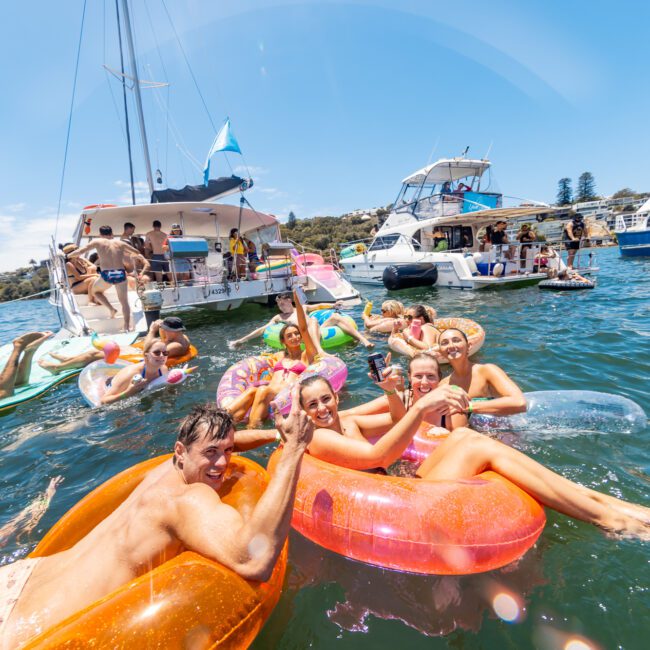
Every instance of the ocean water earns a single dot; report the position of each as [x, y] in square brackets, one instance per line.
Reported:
[574, 586]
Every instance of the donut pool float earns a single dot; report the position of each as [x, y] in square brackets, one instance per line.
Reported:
[257, 371]
[177, 603]
[434, 527]
[330, 337]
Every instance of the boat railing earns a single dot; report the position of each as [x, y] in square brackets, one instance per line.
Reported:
[630, 220]
[60, 285]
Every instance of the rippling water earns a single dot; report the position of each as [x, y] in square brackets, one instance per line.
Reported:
[574, 584]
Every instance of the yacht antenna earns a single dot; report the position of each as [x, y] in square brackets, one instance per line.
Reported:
[138, 98]
[487, 153]
[435, 146]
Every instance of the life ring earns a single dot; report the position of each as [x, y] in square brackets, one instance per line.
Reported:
[96, 206]
[257, 371]
[190, 592]
[434, 527]
[330, 337]
[134, 354]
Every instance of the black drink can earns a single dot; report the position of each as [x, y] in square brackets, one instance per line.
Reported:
[377, 365]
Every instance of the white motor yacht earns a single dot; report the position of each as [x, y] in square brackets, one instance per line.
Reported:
[440, 218]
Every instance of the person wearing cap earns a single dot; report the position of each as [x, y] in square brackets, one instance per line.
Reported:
[81, 273]
[574, 232]
[170, 331]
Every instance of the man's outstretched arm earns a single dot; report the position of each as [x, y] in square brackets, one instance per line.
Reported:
[251, 548]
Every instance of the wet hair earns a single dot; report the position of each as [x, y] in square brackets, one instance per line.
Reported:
[128, 224]
[421, 312]
[425, 356]
[393, 306]
[105, 230]
[283, 331]
[156, 224]
[217, 421]
[309, 381]
[455, 329]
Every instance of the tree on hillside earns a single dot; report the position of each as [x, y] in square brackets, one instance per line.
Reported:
[564, 192]
[291, 221]
[625, 192]
[586, 190]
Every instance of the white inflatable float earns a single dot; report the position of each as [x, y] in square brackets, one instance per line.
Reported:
[569, 412]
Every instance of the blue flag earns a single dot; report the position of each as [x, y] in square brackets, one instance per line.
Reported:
[225, 141]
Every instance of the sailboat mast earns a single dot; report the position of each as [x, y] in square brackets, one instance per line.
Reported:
[138, 97]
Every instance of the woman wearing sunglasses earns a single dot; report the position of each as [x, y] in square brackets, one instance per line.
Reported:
[391, 310]
[136, 377]
[415, 333]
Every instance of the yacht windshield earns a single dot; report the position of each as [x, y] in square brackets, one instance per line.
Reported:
[383, 242]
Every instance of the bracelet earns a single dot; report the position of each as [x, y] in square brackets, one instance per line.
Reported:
[278, 437]
[470, 410]
[390, 392]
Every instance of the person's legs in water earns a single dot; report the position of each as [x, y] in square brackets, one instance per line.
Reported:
[467, 453]
[342, 323]
[66, 363]
[9, 372]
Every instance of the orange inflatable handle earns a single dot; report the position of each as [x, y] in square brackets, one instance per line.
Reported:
[186, 602]
[434, 527]
[134, 354]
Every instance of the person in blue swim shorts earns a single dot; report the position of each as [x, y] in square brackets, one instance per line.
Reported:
[112, 253]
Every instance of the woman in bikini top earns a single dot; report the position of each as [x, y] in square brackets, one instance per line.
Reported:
[406, 340]
[286, 370]
[136, 377]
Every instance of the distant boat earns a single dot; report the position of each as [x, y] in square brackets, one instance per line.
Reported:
[633, 232]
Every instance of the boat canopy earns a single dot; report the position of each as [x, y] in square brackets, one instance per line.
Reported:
[447, 169]
[196, 219]
[215, 188]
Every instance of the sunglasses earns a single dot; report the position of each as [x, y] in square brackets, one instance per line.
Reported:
[159, 353]
[408, 317]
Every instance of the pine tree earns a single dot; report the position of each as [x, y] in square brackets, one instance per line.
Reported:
[564, 192]
[291, 221]
[586, 190]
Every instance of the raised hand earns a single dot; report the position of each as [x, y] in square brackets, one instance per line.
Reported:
[445, 400]
[298, 427]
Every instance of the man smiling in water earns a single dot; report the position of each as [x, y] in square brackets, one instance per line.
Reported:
[175, 508]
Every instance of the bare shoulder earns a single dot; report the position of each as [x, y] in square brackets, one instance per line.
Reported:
[489, 369]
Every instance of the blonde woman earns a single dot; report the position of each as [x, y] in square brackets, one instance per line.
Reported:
[391, 311]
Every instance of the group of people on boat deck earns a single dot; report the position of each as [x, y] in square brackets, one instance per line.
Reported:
[177, 505]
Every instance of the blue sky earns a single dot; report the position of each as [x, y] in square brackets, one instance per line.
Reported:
[332, 102]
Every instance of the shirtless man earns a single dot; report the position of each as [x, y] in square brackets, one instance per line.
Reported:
[175, 508]
[133, 263]
[113, 254]
[153, 245]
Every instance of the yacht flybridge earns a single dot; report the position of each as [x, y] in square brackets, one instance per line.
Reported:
[440, 217]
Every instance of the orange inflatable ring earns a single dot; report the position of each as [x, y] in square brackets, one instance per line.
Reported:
[134, 354]
[473, 331]
[407, 524]
[188, 601]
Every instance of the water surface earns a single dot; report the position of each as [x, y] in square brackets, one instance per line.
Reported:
[575, 583]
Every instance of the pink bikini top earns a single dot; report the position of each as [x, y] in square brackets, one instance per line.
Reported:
[298, 367]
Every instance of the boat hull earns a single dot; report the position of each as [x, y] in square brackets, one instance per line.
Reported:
[634, 244]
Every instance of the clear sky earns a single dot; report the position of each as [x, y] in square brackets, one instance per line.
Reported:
[332, 103]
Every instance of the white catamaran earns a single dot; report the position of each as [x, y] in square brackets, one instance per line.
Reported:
[208, 278]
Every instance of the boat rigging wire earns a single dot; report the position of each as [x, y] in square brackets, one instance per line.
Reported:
[67, 137]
